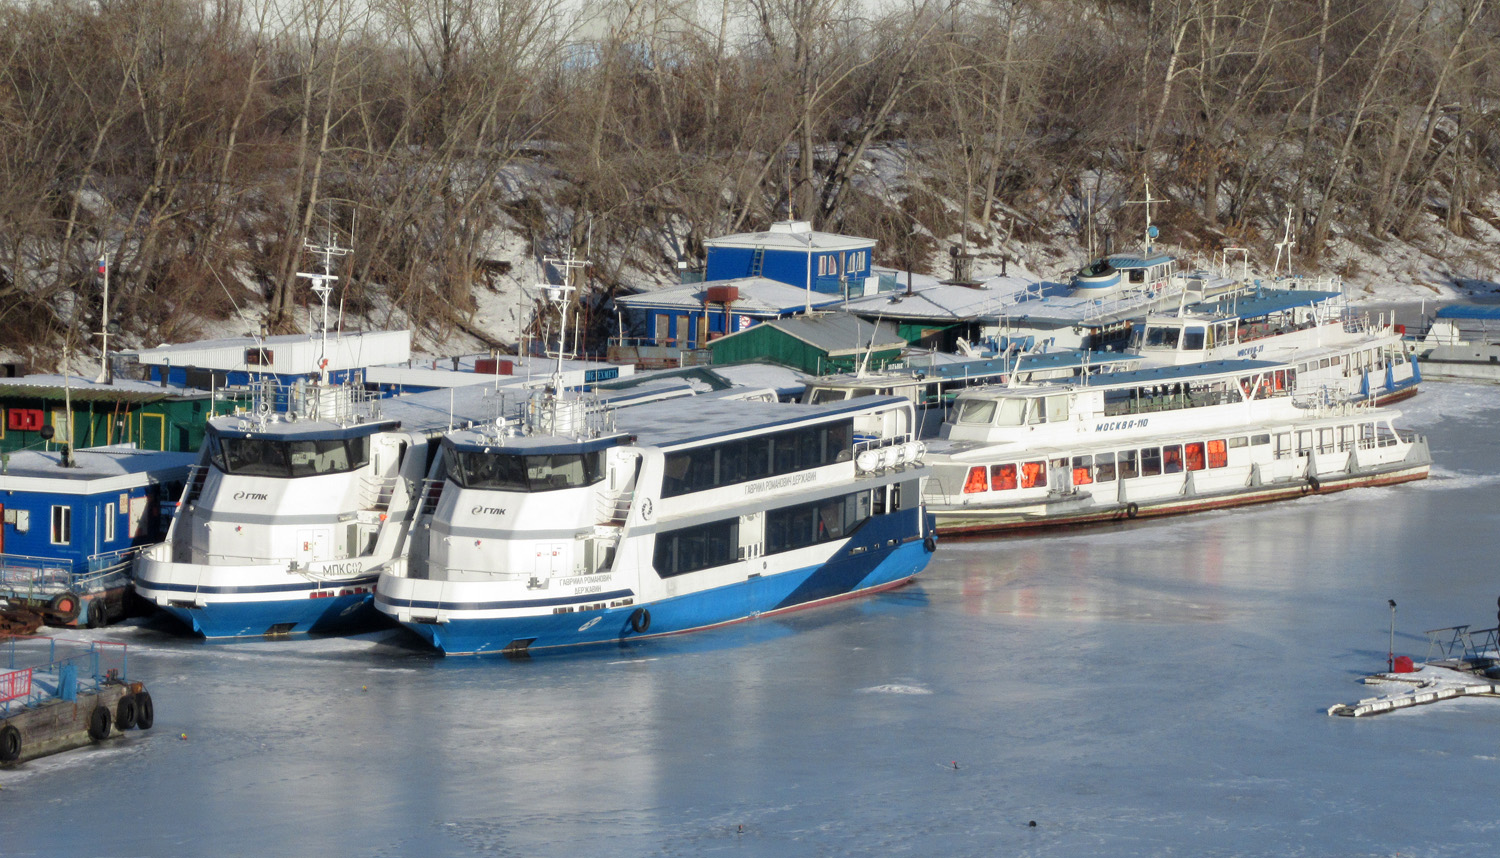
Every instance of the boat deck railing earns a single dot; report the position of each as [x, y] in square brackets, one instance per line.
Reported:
[27, 577]
[1455, 643]
[38, 669]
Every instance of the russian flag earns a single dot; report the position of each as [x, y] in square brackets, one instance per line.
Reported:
[103, 265]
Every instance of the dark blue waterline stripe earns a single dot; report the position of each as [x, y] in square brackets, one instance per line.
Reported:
[495, 606]
[260, 588]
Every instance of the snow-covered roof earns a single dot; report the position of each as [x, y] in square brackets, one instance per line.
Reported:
[945, 302]
[97, 469]
[290, 354]
[523, 369]
[758, 296]
[791, 235]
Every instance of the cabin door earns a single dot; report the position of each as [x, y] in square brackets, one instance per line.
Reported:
[312, 544]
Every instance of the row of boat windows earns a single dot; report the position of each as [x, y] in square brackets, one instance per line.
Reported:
[1024, 411]
[717, 543]
[1107, 467]
[514, 472]
[1175, 458]
[1360, 361]
[266, 457]
[757, 457]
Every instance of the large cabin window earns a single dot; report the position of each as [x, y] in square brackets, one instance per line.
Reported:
[272, 457]
[1193, 338]
[702, 546]
[811, 523]
[514, 472]
[747, 459]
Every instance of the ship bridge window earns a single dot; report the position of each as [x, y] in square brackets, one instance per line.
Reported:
[820, 395]
[270, 457]
[1137, 275]
[1193, 338]
[515, 472]
[1162, 337]
[976, 411]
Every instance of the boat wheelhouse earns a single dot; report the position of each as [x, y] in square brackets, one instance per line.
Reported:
[1155, 442]
[933, 384]
[1461, 343]
[1335, 350]
[582, 524]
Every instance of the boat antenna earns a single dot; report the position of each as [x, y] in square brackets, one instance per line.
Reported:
[1151, 231]
[322, 285]
[560, 296]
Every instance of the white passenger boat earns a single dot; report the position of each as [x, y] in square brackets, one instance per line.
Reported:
[1461, 343]
[1349, 355]
[932, 381]
[1155, 442]
[582, 524]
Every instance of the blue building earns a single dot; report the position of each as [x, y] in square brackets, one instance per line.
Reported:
[66, 532]
[749, 278]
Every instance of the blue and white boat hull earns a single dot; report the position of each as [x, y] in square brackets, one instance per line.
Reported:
[886, 552]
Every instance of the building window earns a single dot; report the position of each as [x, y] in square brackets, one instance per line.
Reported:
[62, 525]
[259, 357]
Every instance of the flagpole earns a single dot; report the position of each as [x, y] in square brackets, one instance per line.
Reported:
[104, 324]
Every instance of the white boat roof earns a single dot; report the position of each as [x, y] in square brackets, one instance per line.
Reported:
[1136, 377]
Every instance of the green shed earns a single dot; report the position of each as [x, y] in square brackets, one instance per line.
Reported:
[816, 344]
[122, 412]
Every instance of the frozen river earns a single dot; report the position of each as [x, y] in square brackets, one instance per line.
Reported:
[1153, 689]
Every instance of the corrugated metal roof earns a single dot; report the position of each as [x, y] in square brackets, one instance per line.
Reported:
[835, 334]
[86, 390]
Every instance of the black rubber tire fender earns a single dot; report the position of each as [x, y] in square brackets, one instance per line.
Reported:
[640, 620]
[145, 712]
[126, 713]
[64, 607]
[98, 614]
[10, 744]
[929, 543]
[99, 724]
[1315, 484]
[1132, 510]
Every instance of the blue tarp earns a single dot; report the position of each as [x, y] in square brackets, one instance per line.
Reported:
[1469, 311]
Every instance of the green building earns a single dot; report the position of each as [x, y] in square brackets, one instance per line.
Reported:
[145, 414]
[817, 344]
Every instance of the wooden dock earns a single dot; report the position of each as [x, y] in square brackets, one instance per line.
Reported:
[62, 725]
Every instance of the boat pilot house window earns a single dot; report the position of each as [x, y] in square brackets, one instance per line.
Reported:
[745, 459]
[272, 457]
[514, 472]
